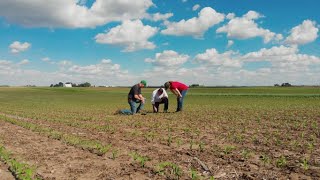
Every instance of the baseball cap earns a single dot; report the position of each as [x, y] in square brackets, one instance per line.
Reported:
[144, 82]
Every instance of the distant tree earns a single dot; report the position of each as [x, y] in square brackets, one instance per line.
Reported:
[286, 85]
[51, 85]
[276, 85]
[194, 85]
[86, 84]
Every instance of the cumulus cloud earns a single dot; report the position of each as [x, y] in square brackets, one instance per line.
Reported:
[159, 16]
[283, 57]
[131, 34]
[230, 43]
[23, 62]
[195, 7]
[14, 74]
[168, 59]
[17, 47]
[195, 26]
[213, 58]
[245, 27]
[71, 13]
[304, 33]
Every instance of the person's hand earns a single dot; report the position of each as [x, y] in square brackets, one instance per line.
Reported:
[143, 100]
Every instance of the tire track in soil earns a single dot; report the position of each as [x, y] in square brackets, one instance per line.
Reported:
[55, 160]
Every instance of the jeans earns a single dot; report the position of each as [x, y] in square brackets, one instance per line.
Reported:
[180, 100]
[164, 101]
[133, 106]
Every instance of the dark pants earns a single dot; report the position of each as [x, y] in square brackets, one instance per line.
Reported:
[164, 101]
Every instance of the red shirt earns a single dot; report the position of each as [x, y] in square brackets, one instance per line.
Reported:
[178, 85]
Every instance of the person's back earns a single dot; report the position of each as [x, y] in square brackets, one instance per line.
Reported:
[178, 85]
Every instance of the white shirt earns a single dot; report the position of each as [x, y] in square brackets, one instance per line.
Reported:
[156, 97]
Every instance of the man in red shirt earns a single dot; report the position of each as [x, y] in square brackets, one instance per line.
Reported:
[179, 89]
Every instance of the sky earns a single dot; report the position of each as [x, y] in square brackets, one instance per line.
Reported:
[120, 42]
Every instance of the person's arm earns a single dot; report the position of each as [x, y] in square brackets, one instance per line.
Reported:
[153, 98]
[176, 92]
[141, 98]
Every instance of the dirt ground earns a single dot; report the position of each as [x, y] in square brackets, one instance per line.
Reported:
[54, 159]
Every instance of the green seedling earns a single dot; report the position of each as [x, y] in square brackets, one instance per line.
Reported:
[114, 154]
[139, 158]
[245, 153]
[169, 169]
[281, 162]
[265, 159]
[228, 149]
[201, 146]
[194, 174]
[305, 164]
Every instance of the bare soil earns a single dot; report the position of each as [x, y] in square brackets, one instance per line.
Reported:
[57, 160]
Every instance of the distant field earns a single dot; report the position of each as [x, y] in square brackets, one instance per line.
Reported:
[238, 133]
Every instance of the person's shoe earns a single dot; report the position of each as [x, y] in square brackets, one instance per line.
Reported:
[165, 111]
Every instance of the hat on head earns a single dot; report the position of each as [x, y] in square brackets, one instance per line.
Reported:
[167, 85]
[144, 82]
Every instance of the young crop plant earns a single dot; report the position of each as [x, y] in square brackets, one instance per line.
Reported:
[265, 159]
[21, 171]
[228, 149]
[245, 153]
[169, 169]
[194, 174]
[201, 146]
[179, 142]
[169, 140]
[281, 162]
[114, 154]
[305, 164]
[139, 158]
[191, 144]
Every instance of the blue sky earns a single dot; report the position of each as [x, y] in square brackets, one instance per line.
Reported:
[120, 42]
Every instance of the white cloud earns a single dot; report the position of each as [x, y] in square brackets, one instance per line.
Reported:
[17, 47]
[304, 33]
[213, 58]
[159, 17]
[71, 13]
[230, 43]
[23, 62]
[131, 34]
[195, 7]
[103, 73]
[168, 59]
[245, 27]
[195, 26]
[46, 59]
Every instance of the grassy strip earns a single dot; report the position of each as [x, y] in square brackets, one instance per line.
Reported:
[21, 171]
[93, 146]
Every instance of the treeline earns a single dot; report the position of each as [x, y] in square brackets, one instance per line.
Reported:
[69, 84]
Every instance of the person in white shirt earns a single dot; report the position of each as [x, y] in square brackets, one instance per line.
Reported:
[159, 96]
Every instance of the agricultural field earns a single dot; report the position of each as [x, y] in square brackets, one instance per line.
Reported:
[222, 133]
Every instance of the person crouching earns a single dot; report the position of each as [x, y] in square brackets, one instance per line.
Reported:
[159, 96]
